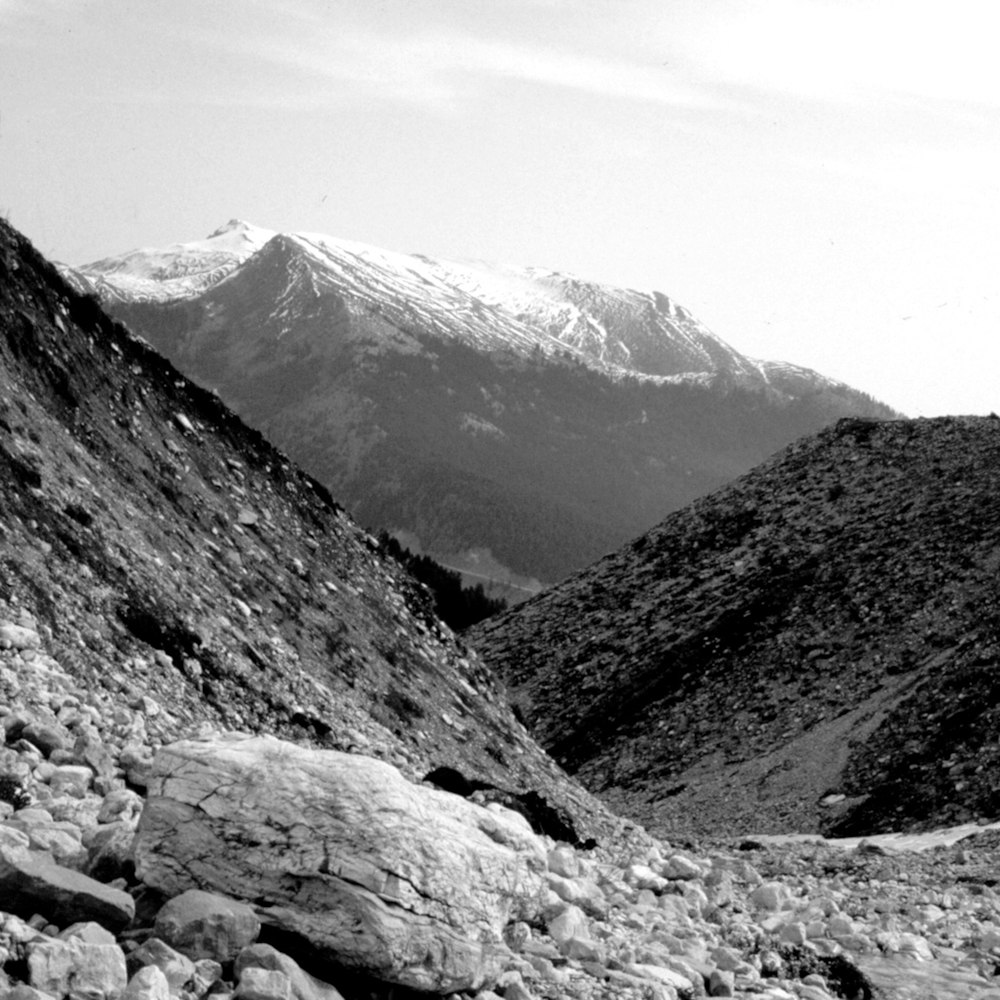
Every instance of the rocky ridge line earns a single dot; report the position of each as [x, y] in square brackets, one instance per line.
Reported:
[812, 647]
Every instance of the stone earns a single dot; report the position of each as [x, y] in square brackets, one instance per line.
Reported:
[178, 968]
[680, 867]
[721, 983]
[794, 932]
[61, 841]
[205, 925]
[571, 922]
[406, 883]
[18, 637]
[71, 779]
[263, 984]
[302, 985]
[727, 958]
[31, 883]
[771, 896]
[47, 736]
[137, 763]
[90, 751]
[563, 861]
[643, 877]
[148, 983]
[76, 969]
[88, 932]
[663, 975]
[24, 992]
[207, 972]
[109, 852]
[120, 806]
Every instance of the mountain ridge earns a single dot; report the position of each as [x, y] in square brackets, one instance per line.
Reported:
[812, 646]
[551, 303]
[463, 416]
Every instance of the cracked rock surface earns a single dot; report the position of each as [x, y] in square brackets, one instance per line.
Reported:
[412, 884]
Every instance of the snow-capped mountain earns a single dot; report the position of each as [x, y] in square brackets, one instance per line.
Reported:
[495, 416]
[179, 271]
[488, 306]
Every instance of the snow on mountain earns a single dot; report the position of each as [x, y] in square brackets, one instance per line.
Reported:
[640, 332]
[527, 310]
[178, 271]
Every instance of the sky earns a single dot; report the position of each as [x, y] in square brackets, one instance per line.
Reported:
[818, 181]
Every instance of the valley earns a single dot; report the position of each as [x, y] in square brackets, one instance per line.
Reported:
[243, 758]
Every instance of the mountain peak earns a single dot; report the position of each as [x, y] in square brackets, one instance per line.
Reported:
[240, 226]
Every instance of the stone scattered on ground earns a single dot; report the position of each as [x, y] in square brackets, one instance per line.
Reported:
[635, 919]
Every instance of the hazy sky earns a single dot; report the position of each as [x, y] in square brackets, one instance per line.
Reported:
[817, 180]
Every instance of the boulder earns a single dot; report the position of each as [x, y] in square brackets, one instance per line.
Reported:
[404, 883]
[30, 883]
[76, 969]
[149, 983]
[263, 984]
[178, 969]
[301, 984]
[18, 637]
[771, 896]
[205, 925]
[109, 851]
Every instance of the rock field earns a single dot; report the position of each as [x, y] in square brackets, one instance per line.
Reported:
[245, 866]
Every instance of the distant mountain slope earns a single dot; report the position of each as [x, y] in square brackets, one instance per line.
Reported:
[166, 549]
[508, 415]
[814, 646]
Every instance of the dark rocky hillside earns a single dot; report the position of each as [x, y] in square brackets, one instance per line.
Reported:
[166, 550]
[814, 647]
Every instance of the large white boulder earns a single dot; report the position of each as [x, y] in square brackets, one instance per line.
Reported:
[406, 883]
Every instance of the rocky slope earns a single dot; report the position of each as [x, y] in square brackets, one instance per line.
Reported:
[813, 647]
[238, 866]
[165, 549]
[515, 423]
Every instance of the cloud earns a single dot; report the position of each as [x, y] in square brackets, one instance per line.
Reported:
[447, 69]
[850, 50]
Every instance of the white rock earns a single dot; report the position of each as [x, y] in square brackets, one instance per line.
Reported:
[571, 922]
[660, 974]
[405, 882]
[76, 968]
[680, 867]
[643, 877]
[301, 984]
[178, 968]
[71, 779]
[771, 896]
[149, 983]
[563, 861]
[263, 984]
[18, 637]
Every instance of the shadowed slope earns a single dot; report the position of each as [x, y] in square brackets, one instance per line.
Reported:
[167, 549]
[814, 646]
